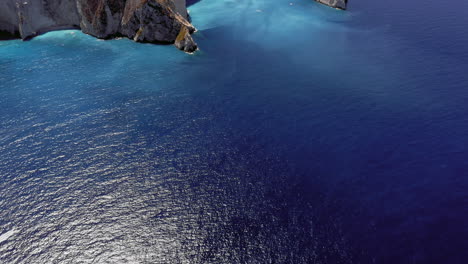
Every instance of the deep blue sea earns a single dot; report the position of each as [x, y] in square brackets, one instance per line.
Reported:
[296, 134]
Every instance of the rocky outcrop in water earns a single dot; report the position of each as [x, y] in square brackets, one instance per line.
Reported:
[340, 4]
[156, 21]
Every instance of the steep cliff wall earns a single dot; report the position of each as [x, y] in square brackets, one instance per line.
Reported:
[36, 17]
[141, 20]
[152, 20]
[9, 22]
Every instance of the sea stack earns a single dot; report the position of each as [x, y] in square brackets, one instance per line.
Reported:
[339, 4]
[155, 21]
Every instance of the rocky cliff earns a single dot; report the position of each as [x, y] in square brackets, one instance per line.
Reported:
[157, 21]
[340, 4]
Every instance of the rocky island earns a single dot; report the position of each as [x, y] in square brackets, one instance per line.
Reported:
[155, 21]
[338, 4]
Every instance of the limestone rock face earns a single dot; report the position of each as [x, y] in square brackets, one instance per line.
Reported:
[9, 22]
[152, 21]
[184, 40]
[340, 4]
[32, 17]
[141, 20]
[100, 18]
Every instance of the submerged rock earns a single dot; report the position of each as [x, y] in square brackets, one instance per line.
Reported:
[340, 4]
[156, 21]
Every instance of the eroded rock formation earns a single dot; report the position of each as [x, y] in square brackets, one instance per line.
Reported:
[340, 4]
[158, 21]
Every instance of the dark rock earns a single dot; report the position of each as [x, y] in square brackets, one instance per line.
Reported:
[6, 35]
[100, 18]
[340, 4]
[152, 21]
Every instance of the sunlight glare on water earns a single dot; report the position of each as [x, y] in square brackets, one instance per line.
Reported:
[296, 134]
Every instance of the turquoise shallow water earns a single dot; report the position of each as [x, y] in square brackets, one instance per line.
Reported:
[297, 134]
